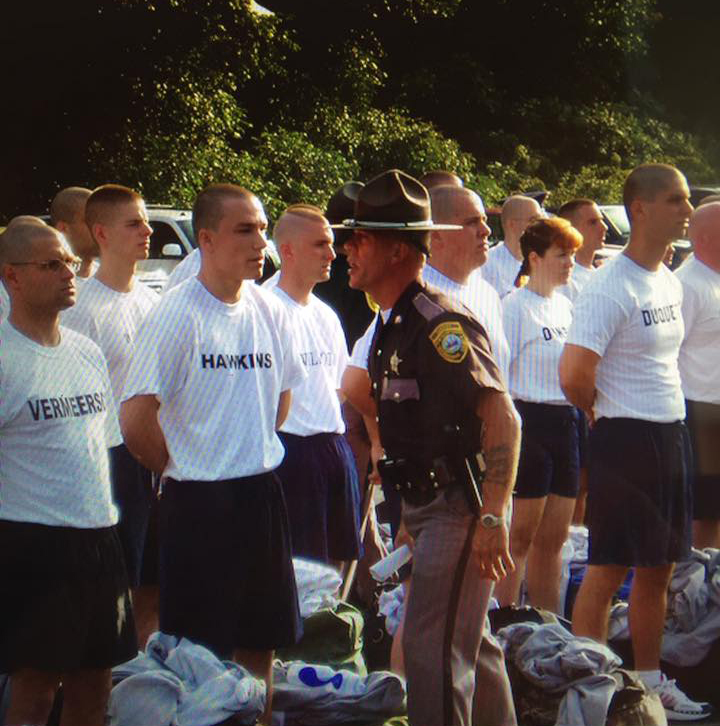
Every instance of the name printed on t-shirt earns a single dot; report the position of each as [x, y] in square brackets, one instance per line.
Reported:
[321, 358]
[67, 406]
[663, 314]
[244, 361]
[557, 332]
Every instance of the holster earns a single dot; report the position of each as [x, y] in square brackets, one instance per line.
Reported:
[419, 483]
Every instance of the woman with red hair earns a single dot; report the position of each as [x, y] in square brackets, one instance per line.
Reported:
[536, 319]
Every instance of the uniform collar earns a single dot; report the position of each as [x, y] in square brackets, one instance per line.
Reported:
[404, 302]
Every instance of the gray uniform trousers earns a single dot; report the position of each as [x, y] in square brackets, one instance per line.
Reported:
[455, 673]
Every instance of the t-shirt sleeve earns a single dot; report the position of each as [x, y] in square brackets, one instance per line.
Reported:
[339, 345]
[596, 318]
[113, 436]
[512, 325]
[691, 306]
[159, 362]
[455, 352]
[361, 349]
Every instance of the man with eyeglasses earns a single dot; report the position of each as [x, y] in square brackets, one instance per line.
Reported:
[65, 609]
[110, 307]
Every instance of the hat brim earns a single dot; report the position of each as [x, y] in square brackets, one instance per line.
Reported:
[424, 226]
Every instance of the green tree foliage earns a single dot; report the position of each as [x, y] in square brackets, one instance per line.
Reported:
[168, 95]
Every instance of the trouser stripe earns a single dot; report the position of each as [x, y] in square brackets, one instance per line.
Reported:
[453, 606]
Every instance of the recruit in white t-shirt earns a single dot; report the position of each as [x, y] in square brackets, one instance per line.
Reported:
[501, 269]
[320, 342]
[579, 277]
[536, 329]
[700, 350]
[483, 302]
[57, 421]
[217, 370]
[632, 318]
[189, 266]
[111, 319]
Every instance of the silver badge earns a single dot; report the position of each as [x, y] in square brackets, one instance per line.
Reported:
[395, 361]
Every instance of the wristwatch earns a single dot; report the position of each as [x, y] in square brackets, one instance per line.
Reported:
[490, 521]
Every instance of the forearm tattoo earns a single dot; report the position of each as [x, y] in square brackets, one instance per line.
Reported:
[499, 465]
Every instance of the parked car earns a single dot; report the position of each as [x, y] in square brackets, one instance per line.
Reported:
[171, 240]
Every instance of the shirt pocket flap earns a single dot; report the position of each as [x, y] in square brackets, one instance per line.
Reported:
[400, 389]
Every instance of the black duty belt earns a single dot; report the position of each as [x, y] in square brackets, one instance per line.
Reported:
[419, 484]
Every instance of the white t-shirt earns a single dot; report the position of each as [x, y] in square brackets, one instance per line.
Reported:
[700, 350]
[189, 266]
[361, 349]
[536, 329]
[320, 342]
[4, 302]
[501, 269]
[218, 371]
[57, 420]
[632, 318]
[111, 319]
[579, 277]
[483, 302]
[80, 281]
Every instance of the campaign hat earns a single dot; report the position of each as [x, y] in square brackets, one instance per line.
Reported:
[342, 204]
[396, 201]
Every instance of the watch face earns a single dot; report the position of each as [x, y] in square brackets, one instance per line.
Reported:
[490, 520]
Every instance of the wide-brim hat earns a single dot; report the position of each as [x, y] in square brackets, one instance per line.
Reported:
[396, 201]
[342, 204]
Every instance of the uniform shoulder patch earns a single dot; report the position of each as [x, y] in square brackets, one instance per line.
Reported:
[450, 341]
[426, 307]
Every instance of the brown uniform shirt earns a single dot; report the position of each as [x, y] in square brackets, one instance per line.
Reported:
[428, 363]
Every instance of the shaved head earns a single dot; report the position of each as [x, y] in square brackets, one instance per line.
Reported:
[445, 202]
[294, 217]
[304, 240]
[208, 208]
[705, 219]
[68, 205]
[17, 239]
[704, 233]
[440, 179]
[519, 206]
[101, 205]
[709, 199]
[645, 182]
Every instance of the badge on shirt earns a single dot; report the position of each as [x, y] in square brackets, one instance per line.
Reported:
[395, 361]
[450, 341]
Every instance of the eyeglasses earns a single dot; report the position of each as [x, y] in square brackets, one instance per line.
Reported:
[52, 265]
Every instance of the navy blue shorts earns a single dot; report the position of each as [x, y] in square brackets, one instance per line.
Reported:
[226, 572]
[133, 494]
[639, 498]
[549, 456]
[64, 599]
[320, 482]
[703, 422]
[583, 434]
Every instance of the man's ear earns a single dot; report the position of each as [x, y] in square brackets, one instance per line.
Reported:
[286, 251]
[204, 238]
[637, 209]
[8, 275]
[98, 233]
